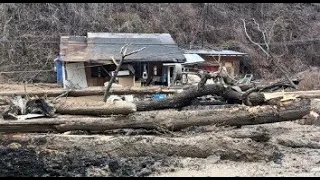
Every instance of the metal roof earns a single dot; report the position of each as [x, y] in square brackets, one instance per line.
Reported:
[214, 52]
[193, 59]
[164, 38]
[102, 46]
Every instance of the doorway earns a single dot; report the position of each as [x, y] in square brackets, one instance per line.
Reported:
[230, 68]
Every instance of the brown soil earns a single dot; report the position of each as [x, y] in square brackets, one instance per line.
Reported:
[300, 157]
[296, 161]
[28, 87]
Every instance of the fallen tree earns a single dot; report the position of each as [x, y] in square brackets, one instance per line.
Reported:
[253, 96]
[201, 146]
[165, 119]
[97, 109]
[181, 99]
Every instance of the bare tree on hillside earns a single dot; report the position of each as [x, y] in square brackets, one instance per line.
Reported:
[265, 47]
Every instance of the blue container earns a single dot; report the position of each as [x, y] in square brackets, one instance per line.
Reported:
[159, 96]
[59, 72]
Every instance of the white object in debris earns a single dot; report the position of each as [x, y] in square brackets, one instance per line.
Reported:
[114, 85]
[21, 103]
[113, 98]
[237, 88]
[122, 73]
[210, 81]
[179, 90]
[128, 98]
[193, 78]
[76, 75]
[29, 116]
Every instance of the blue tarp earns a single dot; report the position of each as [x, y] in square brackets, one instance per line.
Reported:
[59, 70]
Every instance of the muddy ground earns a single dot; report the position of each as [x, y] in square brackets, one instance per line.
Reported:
[298, 154]
[298, 145]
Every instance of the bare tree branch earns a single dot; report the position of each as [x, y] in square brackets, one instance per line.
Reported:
[123, 48]
[271, 31]
[267, 52]
[123, 55]
[263, 34]
[114, 61]
[245, 30]
[134, 52]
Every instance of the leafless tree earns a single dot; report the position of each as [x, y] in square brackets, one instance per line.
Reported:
[124, 54]
[267, 36]
[30, 32]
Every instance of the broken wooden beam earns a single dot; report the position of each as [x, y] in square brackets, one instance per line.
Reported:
[165, 119]
[293, 94]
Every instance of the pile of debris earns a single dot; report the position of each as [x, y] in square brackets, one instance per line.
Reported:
[196, 105]
[154, 126]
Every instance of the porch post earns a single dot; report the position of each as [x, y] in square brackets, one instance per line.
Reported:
[168, 75]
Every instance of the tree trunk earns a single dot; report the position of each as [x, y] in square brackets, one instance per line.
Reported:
[165, 119]
[186, 97]
[96, 146]
[107, 91]
[96, 108]
[182, 99]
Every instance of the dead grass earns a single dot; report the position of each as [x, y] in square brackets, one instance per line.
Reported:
[310, 79]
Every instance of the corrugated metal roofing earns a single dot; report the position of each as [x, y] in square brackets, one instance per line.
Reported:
[214, 52]
[164, 38]
[193, 59]
[103, 46]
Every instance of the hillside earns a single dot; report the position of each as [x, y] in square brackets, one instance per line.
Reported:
[30, 32]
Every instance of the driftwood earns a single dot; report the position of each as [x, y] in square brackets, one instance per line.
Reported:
[182, 99]
[223, 87]
[242, 149]
[186, 97]
[165, 119]
[259, 95]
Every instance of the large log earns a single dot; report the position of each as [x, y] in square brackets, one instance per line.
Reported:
[165, 119]
[252, 97]
[97, 108]
[91, 91]
[186, 97]
[95, 146]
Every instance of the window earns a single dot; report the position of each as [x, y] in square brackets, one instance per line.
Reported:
[98, 71]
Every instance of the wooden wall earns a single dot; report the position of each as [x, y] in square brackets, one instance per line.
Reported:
[94, 81]
[234, 60]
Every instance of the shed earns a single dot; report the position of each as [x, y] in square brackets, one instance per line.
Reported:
[228, 58]
[87, 60]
